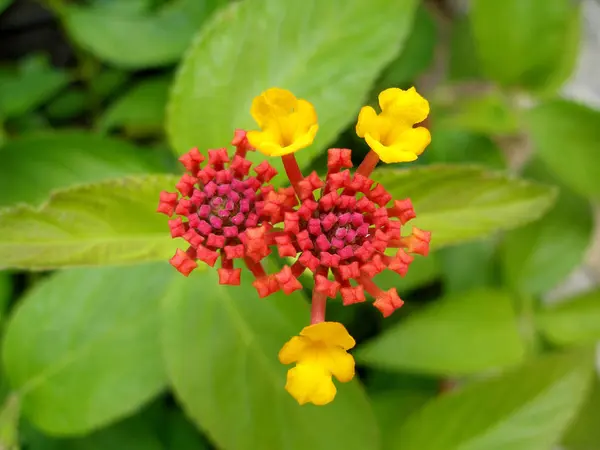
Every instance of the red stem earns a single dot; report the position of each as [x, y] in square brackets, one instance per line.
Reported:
[370, 287]
[254, 267]
[293, 171]
[317, 310]
[368, 164]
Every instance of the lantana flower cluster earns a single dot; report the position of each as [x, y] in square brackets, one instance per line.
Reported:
[343, 228]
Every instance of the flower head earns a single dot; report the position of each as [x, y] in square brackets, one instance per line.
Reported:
[217, 207]
[287, 123]
[342, 227]
[391, 133]
[320, 352]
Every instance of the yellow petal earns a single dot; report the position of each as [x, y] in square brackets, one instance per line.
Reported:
[341, 364]
[306, 113]
[272, 103]
[303, 140]
[331, 333]
[388, 97]
[367, 121]
[260, 139]
[404, 105]
[309, 383]
[391, 154]
[293, 350]
[413, 140]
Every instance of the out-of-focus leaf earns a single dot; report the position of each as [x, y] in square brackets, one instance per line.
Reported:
[574, 321]
[584, 433]
[141, 110]
[460, 334]
[82, 348]
[30, 86]
[127, 7]
[459, 146]
[422, 271]
[488, 113]
[9, 423]
[68, 105]
[181, 434]
[6, 290]
[137, 41]
[417, 53]
[130, 434]
[565, 136]
[461, 203]
[111, 222]
[523, 43]
[33, 122]
[463, 63]
[395, 396]
[107, 81]
[33, 166]
[468, 266]
[392, 408]
[566, 61]
[538, 256]
[309, 47]
[4, 4]
[239, 396]
[527, 409]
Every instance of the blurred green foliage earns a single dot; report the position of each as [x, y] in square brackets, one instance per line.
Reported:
[105, 346]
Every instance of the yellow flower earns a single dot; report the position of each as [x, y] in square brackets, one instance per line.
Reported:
[319, 352]
[287, 123]
[391, 134]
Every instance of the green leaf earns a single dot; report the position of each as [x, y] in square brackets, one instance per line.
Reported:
[460, 334]
[221, 354]
[468, 266]
[449, 145]
[107, 81]
[523, 43]
[487, 112]
[139, 111]
[112, 222]
[422, 271]
[395, 396]
[584, 433]
[6, 291]
[9, 423]
[33, 166]
[463, 61]
[461, 203]
[137, 41]
[310, 47]
[4, 4]
[181, 434]
[527, 409]
[130, 434]
[33, 122]
[573, 321]
[30, 86]
[537, 257]
[127, 7]
[394, 407]
[82, 348]
[565, 136]
[68, 105]
[417, 53]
